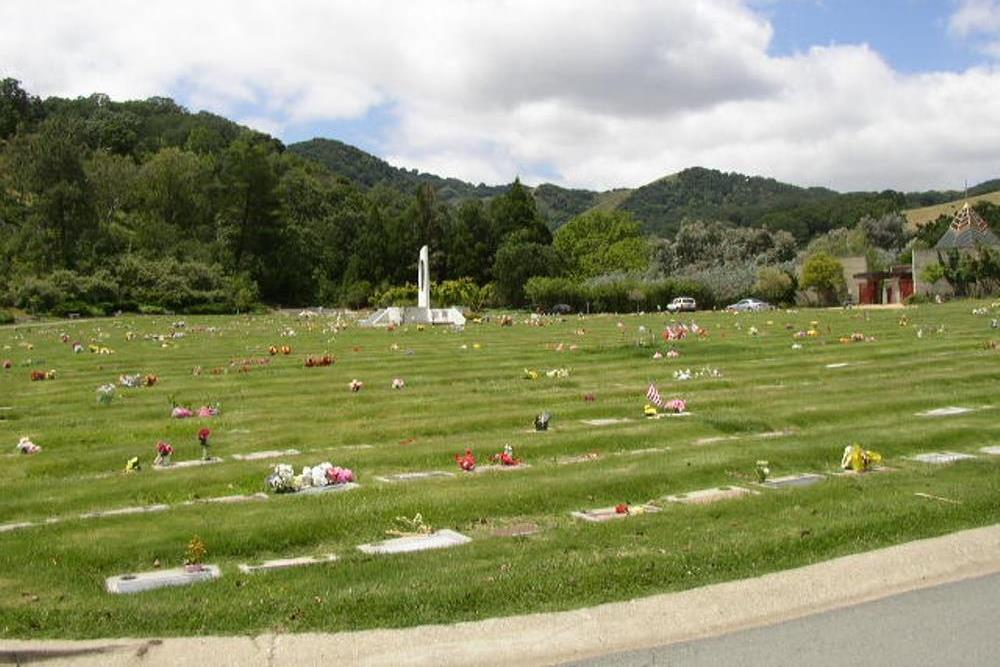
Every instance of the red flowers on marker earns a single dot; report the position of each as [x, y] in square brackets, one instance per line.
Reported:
[203, 436]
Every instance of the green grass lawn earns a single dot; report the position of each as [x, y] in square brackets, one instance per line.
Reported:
[468, 390]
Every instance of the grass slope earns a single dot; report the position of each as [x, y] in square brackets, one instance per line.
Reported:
[466, 390]
[922, 216]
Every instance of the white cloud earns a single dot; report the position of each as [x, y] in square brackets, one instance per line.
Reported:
[603, 94]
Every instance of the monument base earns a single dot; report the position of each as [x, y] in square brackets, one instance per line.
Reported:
[397, 316]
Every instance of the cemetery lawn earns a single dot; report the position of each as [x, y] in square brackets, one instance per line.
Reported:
[468, 390]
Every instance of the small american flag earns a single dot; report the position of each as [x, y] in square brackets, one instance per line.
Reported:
[654, 396]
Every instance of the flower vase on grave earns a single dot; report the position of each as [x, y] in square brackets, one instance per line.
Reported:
[203, 436]
[162, 460]
[205, 456]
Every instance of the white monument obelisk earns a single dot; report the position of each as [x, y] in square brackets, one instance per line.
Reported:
[423, 280]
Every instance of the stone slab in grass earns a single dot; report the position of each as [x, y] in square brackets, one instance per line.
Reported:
[229, 500]
[147, 581]
[499, 468]
[713, 495]
[522, 529]
[711, 440]
[8, 527]
[285, 563]
[838, 365]
[194, 463]
[603, 514]
[871, 471]
[125, 511]
[414, 476]
[441, 539]
[665, 415]
[589, 457]
[941, 458]
[329, 488]
[642, 452]
[266, 454]
[790, 481]
[994, 450]
[949, 411]
[606, 422]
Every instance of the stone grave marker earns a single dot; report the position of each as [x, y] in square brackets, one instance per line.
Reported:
[871, 471]
[994, 450]
[517, 530]
[411, 476]
[579, 458]
[606, 422]
[713, 495]
[229, 500]
[146, 581]
[663, 415]
[837, 365]
[642, 452]
[789, 481]
[441, 539]
[944, 412]
[284, 563]
[125, 511]
[941, 458]
[329, 488]
[499, 468]
[8, 527]
[603, 514]
[193, 463]
[266, 454]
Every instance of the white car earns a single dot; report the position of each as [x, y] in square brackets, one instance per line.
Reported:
[745, 305]
[682, 304]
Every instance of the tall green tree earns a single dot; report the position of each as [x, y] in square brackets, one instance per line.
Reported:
[601, 242]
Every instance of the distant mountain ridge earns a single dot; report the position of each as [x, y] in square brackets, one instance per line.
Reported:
[661, 206]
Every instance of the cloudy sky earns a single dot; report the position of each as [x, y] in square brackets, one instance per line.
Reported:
[851, 94]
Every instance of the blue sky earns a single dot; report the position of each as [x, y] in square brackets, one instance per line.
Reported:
[911, 34]
[584, 93]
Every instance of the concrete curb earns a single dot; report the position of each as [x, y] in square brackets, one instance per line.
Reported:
[573, 635]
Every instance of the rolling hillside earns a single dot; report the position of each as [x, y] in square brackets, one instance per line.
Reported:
[921, 216]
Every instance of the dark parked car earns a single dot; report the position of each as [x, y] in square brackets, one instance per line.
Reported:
[561, 309]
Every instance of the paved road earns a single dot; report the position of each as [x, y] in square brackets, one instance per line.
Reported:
[954, 624]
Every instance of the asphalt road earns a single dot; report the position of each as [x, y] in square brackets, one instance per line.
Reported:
[955, 624]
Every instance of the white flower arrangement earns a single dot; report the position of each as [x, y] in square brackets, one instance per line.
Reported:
[398, 383]
[26, 446]
[105, 394]
[130, 381]
[284, 480]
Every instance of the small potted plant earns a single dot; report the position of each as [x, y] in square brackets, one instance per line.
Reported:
[203, 436]
[762, 470]
[194, 555]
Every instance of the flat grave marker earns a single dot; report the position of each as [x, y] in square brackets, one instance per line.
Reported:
[522, 529]
[193, 463]
[602, 514]
[266, 454]
[837, 365]
[499, 468]
[441, 539]
[285, 563]
[642, 452]
[412, 476]
[993, 450]
[147, 581]
[229, 500]
[874, 470]
[941, 458]
[328, 488]
[579, 458]
[949, 411]
[125, 511]
[789, 481]
[606, 421]
[712, 495]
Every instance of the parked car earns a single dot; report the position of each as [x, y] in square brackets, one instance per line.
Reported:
[682, 304]
[745, 305]
[561, 309]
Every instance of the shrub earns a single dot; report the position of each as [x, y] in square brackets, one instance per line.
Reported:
[774, 285]
[826, 275]
[402, 295]
[6, 317]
